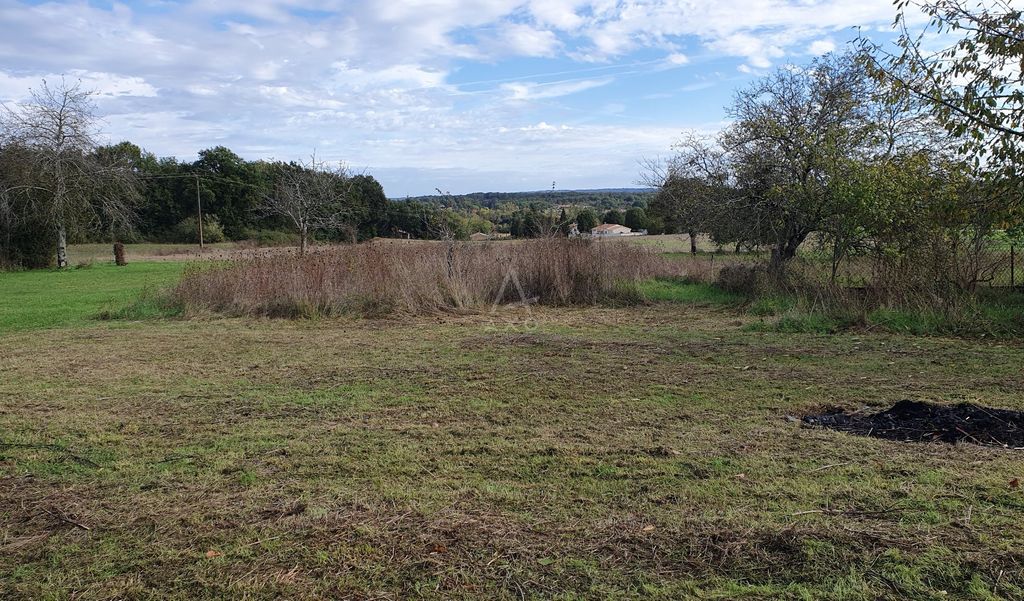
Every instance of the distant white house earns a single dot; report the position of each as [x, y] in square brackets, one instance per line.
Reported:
[609, 230]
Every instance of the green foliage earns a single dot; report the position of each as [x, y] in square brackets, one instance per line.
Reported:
[532, 222]
[972, 86]
[564, 223]
[586, 220]
[635, 219]
[994, 314]
[503, 201]
[613, 216]
[231, 188]
[655, 225]
[265, 237]
[797, 133]
[682, 202]
[187, 230]
[26, 243]
[151, 303]
[767, 306]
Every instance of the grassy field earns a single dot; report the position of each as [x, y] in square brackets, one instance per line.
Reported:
[74, 297]
[590, 453]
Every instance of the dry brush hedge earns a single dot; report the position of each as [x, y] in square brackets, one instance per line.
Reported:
[373, 279]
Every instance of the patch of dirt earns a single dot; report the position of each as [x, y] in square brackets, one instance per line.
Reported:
[917, 421]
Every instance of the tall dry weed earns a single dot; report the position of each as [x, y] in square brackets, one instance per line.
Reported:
[422, 278]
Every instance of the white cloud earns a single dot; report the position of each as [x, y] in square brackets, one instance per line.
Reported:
[373, 80]
[523, 40]
[819, 47]
[557, 13]
[102, 85]
[528, 90]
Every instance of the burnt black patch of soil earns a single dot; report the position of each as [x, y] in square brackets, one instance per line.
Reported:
[918, 421]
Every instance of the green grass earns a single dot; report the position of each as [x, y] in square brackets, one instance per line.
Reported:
[767, 306]
[995, 313]
[680, 291]
[570, 453]
[31, 300]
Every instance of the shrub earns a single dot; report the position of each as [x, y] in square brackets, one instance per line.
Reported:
[371, 279]
[187, 230]
[265, 237]
[28, 244]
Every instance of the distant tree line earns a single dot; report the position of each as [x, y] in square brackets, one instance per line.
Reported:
[619, 198]
[539, 214]
[58, 186]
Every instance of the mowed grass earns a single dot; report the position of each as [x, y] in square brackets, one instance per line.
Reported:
[31, 300]
[593, 453]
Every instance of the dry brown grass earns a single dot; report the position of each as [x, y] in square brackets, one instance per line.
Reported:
[380, 279]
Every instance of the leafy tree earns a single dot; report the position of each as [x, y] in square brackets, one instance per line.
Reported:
[408, 218]
[778, 170]
[635, 218]
[612, 216]
[679, 204]
[187, 230]
[564, 223]
[232, 188]
[370, 205]
[25, 239]
[691, 191]
[655, 225]
[586, 220]
[168, 196]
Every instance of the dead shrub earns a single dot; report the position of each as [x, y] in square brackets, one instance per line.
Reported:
[377, 279]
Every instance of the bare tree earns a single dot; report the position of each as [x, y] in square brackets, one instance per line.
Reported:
[311, 195]
[60, 180]
[440, 226]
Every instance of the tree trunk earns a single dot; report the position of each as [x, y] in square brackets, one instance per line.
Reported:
[837, 258]
[693, 242]
[62, 247]
[59, 202]
[783, 251]
[302, 241]
[776, 263]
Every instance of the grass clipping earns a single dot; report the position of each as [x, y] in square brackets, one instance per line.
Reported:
[379, 279]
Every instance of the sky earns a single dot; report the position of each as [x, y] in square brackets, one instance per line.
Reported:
[461, 95]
